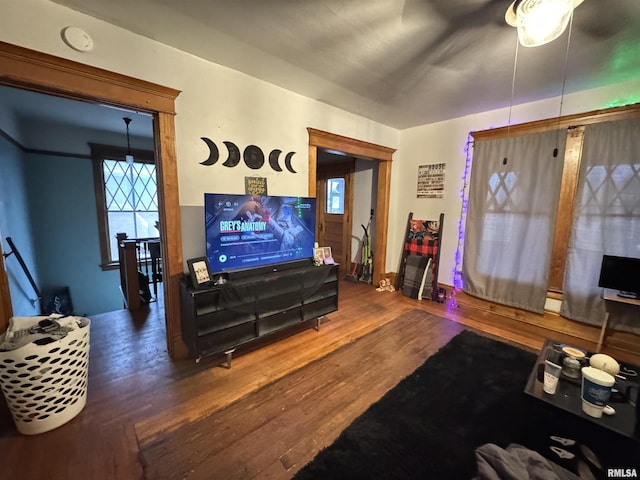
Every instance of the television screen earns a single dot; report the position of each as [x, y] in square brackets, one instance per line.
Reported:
[247, 231]
[620, 273]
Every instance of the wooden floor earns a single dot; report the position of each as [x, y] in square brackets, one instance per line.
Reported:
[140, 402]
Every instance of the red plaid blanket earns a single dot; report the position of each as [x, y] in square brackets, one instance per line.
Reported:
[423, 242]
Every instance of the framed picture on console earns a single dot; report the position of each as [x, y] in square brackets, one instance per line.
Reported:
[199, 270]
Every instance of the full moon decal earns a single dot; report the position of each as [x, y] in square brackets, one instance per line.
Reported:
[253, 157]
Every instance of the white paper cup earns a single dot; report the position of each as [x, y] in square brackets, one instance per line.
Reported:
[596, 389]
[551, 377]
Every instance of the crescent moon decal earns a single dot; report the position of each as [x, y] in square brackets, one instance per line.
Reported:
[287, 162]
[234, 155]
[273, 160]
[213, 152]
[253, 157]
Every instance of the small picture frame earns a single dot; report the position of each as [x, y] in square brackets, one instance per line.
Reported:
[199, 270]
[318, 254]
[327, 252]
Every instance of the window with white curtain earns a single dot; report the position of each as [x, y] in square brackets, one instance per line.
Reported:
[513, 197]
[600, 216]
[606, 217]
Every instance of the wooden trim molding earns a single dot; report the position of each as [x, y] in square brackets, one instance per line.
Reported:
[40, 72]
[368, 151]
[566, 203]
[621, 345]
[561, 123]
[170, 228]
[358, 148]
[46, 73]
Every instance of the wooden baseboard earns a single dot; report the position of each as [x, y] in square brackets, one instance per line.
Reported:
[624, 346]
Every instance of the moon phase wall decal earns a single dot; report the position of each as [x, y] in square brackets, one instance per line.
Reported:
[287, 162]
[213, 152]
[253, 156]
[273, 160]
[234, 155]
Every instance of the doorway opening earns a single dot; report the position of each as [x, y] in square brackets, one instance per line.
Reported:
[329, 142]
[43, 73]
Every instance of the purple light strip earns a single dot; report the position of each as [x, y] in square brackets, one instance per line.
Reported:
[457, 271]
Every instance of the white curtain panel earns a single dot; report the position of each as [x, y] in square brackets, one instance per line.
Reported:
[606, 220]
[511, 217]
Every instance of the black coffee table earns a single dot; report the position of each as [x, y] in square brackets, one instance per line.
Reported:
[625, 397]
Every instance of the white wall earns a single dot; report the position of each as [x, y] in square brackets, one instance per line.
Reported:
[215, 102]
[445, 142]
[222, 104]
[365, 192]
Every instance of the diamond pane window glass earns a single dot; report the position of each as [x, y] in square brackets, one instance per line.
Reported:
[131, 201]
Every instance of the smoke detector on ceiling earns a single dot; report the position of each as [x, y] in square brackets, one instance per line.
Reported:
[77, 39]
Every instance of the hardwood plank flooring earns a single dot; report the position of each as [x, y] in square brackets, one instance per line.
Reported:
[303, 412]
[137, 396]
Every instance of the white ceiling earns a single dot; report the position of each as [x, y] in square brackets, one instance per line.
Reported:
[400, 62]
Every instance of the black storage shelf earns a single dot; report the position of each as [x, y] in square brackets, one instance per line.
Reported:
[274, 323]
[221, 320]
[255, 310]
[326, 291]
[320, 308]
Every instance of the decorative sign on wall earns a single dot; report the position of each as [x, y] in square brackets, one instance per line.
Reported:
[255, 186]
[253, 156]
[431, 180]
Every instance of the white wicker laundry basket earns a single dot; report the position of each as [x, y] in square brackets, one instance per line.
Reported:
[45, 386]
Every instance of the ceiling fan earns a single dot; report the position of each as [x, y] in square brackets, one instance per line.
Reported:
[540, 21]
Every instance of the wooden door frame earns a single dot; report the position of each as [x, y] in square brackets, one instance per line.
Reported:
[39, 72]
[368, 151]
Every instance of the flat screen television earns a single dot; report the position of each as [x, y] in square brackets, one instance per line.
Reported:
[249, 231]
[622, 274]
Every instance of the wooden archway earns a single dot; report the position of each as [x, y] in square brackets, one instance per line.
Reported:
[368, 151]
[43, 73]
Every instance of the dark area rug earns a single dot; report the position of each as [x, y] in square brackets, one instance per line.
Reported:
[469, 393]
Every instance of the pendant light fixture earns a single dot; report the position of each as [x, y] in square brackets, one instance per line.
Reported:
[129, 156]
[540, 21]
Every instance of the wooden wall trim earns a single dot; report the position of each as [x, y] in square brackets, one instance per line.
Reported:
[319, 138]
[170, 229]
[368, 151]
[313, 170]
[566, 202]
[595, 116]
[45, 73]
[621, 345]
[36, 71]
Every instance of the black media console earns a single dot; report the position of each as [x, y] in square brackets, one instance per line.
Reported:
[254, 309]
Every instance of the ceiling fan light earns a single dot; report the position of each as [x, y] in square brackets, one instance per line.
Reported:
[542, 21]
